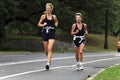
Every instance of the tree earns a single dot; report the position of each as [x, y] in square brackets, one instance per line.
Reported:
[116, 21]
[3, 16]
[23, 15]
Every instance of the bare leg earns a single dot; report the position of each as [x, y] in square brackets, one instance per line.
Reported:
[81, 56]
[77, 53]
[45, 44]
[77, 58]
[50, 47]
[81, 52]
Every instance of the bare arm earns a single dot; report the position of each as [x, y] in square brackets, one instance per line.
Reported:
[86, 30]
[56, 20]
[72, 30]
[40, 24]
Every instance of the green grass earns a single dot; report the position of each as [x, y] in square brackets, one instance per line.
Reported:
[112, 73]
[95, 43]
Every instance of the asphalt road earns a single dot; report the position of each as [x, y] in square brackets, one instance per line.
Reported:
[31, 66]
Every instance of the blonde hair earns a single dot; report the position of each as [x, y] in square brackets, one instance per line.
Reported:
[50, 4]
[78, 13]
[44, 12]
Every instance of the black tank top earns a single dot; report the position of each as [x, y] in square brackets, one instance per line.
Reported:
[81, 32]
[49, 22]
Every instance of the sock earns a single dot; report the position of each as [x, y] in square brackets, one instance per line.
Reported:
[48, 63]
[80, 63]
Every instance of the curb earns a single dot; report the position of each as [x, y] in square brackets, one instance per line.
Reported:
[94, 75]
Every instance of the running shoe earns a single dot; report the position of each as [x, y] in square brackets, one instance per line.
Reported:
[77, 67]
[50, 63]
[47, 67]
[81, 68]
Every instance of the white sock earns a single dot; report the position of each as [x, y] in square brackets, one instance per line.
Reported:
[48, 63]
[77, 63]
[80, 63]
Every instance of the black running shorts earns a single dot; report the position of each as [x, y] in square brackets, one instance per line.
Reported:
[46, 36]
[78, 42]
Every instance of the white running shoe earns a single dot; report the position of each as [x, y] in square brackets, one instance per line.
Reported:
[77, 67]
[81, 68]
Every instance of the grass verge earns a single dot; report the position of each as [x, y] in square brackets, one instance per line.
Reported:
[111, 73]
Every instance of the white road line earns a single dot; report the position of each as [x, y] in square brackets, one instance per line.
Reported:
[40, 70]
[40, 60]
[32, 61]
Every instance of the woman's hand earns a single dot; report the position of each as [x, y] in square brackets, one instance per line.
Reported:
[77, 31]
[45, 24]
